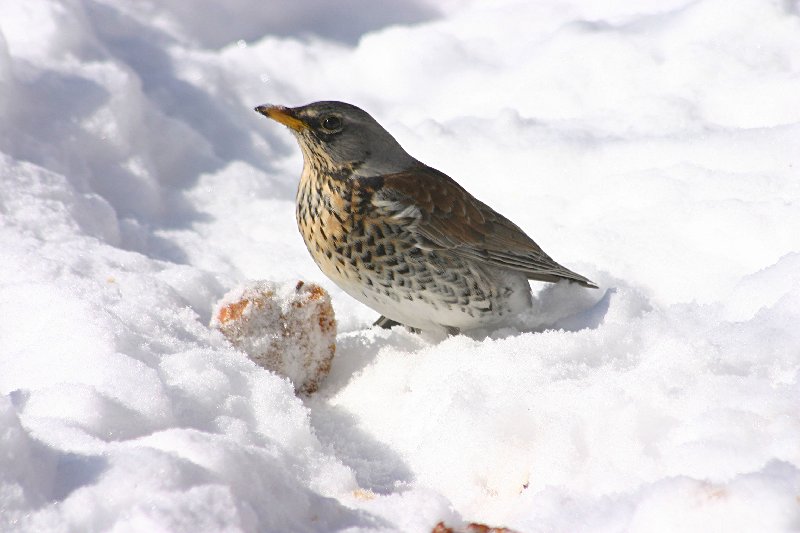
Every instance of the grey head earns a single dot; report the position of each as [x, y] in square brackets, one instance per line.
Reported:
[341, 137]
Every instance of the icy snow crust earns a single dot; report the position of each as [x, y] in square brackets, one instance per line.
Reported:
[652, 146]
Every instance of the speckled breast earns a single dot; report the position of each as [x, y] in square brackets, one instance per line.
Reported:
[377, 261]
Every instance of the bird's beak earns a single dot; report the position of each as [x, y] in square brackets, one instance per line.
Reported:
[282, 114]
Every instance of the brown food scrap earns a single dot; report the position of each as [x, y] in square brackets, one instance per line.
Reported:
[472, 527]
[289, 329]
[232, 311]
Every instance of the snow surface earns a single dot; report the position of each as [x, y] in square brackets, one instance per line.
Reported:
[652, 146]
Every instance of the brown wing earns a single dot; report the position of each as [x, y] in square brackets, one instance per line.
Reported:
[450, 218]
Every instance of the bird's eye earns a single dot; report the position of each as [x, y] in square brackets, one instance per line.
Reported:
[332, 123]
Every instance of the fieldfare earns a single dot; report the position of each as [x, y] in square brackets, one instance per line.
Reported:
[402, 237]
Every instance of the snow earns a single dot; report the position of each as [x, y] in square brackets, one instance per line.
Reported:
[651, 146]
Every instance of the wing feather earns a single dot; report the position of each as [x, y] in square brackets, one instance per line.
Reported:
[449, 218]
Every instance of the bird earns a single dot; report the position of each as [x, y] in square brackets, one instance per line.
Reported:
[402, 237]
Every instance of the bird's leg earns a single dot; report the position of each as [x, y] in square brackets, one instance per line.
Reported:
[386, 323]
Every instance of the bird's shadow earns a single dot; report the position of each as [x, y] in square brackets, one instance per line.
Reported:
[567, 306]
[561, 306]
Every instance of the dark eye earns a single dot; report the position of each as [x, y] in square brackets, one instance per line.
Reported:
[332, 123]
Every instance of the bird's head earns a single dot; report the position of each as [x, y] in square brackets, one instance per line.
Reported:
[337, 136]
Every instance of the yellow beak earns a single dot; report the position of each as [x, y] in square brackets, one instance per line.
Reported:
[282, 114]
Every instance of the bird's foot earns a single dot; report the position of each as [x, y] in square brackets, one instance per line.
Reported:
[388, 323]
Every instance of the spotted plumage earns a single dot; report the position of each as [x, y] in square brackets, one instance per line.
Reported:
[401, 237]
